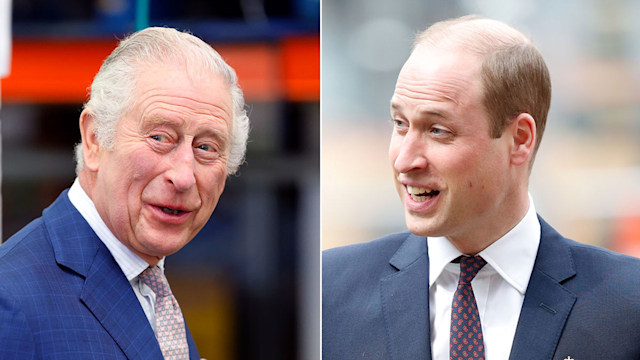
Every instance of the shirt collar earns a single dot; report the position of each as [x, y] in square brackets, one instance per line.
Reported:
[130, 263]
[512, 256]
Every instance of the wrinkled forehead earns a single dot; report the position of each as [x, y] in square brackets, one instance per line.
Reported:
[173, 84]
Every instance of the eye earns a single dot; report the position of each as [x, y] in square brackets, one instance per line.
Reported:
[207, 151]
[161, 142]
[439, 132]
[399, 124]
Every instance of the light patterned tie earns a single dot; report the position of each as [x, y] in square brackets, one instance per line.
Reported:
[170, 328]
[466, 341]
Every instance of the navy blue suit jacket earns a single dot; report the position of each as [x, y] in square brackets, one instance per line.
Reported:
[63, 296]
[582, 301]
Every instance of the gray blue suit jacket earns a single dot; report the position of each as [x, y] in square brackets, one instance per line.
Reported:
[63, 296]
[582, 301]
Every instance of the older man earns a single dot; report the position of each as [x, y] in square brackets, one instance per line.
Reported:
[164, 126]
[479, 275]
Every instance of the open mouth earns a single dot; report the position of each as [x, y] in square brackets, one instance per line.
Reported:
[170, 211]
[419, 194]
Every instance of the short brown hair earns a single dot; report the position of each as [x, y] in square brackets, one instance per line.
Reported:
[515, 77]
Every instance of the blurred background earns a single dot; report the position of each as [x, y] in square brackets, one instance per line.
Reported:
[586, 175]
[248, 283]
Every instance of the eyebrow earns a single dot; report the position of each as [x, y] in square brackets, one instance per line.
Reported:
[220, 136]
[430, 112]
[434, 113]
[156, 120]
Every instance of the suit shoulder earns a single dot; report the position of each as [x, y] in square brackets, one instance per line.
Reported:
[594, 258]
[27, 259]
[360, 264]
[589, 261]
[24, 244]
[377, 250]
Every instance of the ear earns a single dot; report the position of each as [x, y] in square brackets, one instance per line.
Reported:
[90, 144]
[523, 130]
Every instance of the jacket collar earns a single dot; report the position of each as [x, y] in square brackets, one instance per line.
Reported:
[405, 301]
[546, 307]
[547, 303]
[105, 292]
[74, 243]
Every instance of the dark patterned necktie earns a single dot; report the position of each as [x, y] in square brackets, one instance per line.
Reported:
[170, 328]
[466, 340]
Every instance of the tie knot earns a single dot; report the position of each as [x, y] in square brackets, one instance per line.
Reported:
[469, 267]
[154, 278]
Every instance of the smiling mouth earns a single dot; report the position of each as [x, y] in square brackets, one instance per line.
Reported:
[170, 211]
[419, 194]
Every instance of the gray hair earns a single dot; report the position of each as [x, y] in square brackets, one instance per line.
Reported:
[113, 86]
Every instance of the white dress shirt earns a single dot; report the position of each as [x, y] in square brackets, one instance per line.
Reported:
[499, 287]
[131, 264]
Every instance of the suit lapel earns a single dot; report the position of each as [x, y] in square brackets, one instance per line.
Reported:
[547, 302]
[110, 298]
[105, 292]
[405, 301]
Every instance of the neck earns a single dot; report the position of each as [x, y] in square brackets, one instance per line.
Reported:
[86, 181]
[491, 229]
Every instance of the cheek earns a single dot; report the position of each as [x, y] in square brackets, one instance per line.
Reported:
[462, 168]
[122, 174]
[144, 163]
[212, 183]
[481, 171]
[144, 175]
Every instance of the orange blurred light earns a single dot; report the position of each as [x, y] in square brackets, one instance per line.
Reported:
[60, 71]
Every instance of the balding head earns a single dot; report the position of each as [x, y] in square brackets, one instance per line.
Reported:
[515, 77]
[472, 33]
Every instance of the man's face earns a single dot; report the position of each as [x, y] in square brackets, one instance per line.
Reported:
[452, 177]
[160, 184]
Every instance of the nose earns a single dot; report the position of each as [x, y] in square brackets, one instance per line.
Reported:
[410, 153]
[182, 171]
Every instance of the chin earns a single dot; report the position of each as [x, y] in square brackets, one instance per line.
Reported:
[165, 247]
[419, 229]
[424, 227]
[417, 225]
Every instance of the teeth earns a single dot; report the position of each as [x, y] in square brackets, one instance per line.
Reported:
[420, 194]
[418, 190]
[419, 198]
[170, 211]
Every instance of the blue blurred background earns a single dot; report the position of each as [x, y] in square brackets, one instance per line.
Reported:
[248, 283]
